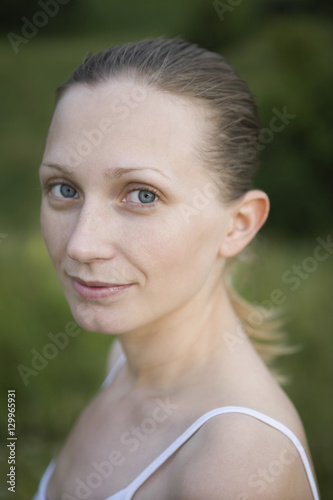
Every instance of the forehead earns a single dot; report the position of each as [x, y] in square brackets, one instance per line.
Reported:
[122, 122]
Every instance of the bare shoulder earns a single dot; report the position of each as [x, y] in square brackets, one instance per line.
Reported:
[237, 456]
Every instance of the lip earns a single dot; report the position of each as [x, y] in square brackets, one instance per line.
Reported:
[95, 290]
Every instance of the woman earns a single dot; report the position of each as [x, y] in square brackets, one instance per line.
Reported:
[147, 196]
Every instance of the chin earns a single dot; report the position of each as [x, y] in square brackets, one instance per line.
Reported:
[94, 319]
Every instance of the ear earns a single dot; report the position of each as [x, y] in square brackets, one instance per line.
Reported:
[246, 217]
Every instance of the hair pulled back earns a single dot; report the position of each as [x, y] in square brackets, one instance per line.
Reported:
[230, 148]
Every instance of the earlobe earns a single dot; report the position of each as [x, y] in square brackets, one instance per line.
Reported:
[247, 216]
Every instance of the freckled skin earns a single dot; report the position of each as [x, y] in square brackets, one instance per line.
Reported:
[173, 314]
[172, 321]
[169, 257]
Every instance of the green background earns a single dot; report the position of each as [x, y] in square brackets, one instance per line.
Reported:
[284, 51]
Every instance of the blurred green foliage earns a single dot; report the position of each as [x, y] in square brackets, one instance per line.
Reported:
[283, 49]
[32, 306]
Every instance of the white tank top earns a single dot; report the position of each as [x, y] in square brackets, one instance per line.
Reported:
[128, 492]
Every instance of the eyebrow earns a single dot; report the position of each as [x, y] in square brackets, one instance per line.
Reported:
[116, 173]
[64, 170]
[120, 171]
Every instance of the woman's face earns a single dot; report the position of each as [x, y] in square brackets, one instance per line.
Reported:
[131, 219]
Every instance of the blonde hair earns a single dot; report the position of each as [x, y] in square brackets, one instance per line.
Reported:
[230, 147]
[264, 328]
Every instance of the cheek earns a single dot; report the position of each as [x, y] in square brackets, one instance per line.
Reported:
[175, 248]
[54, 231]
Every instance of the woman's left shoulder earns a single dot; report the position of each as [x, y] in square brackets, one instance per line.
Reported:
[237, 456]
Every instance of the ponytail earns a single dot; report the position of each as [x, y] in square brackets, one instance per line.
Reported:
[263, 328]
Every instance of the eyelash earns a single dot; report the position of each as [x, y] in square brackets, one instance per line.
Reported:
[148, 189]
[48, 186]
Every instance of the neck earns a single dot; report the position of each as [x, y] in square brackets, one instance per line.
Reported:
[166, 354]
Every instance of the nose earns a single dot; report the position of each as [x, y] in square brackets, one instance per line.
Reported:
[91, 238]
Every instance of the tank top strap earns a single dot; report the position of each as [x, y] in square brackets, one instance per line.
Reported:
[163, 457]
[41, 492]
[112, 373]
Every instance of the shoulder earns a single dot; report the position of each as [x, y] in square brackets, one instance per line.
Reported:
[237, 456]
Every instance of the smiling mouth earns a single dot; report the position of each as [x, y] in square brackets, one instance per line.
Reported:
[95, 290]
[97, 284]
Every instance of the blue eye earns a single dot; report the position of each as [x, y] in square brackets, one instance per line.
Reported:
[146, 196]
[143, 196]
[63, 191]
